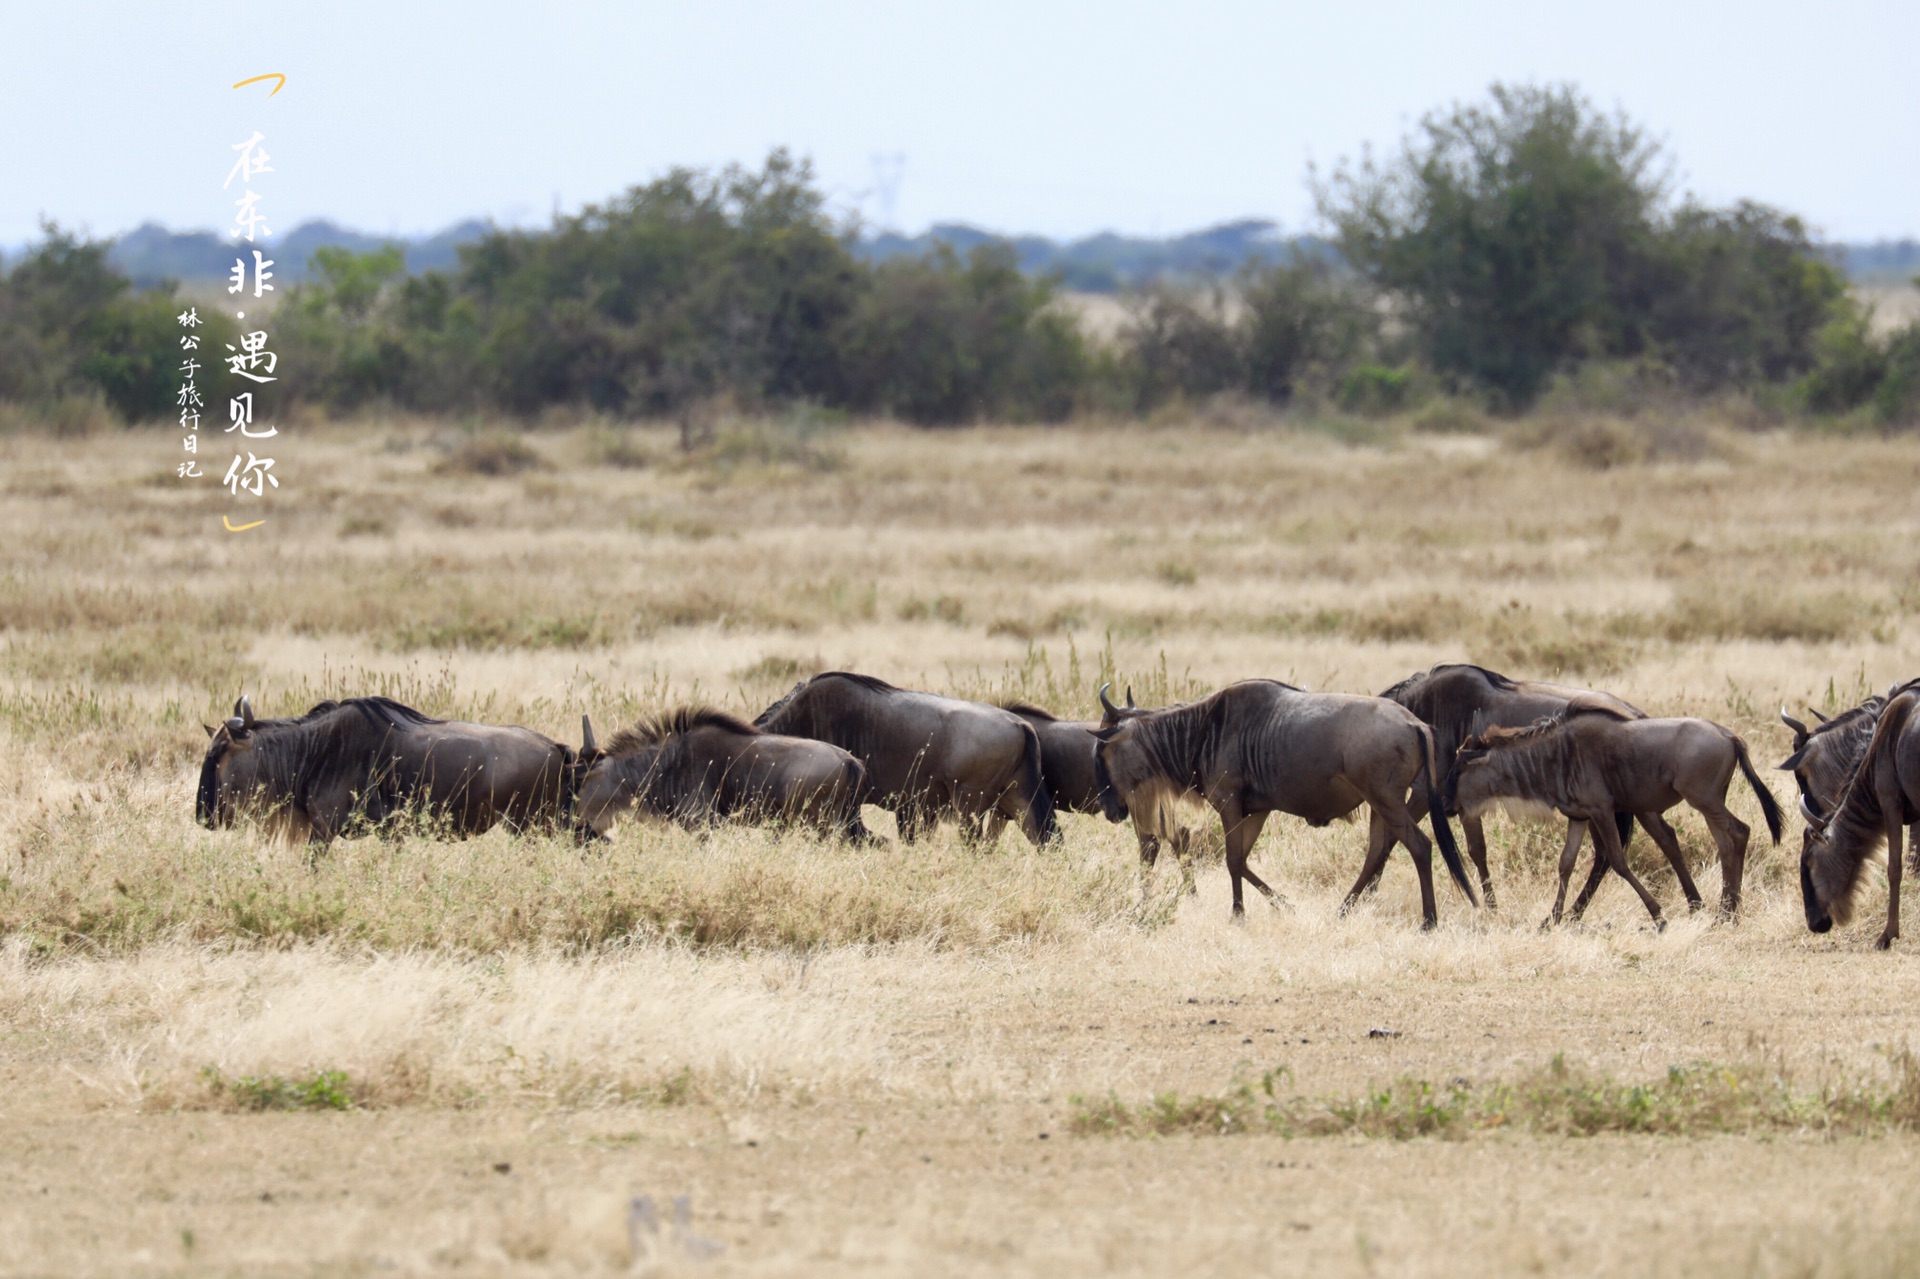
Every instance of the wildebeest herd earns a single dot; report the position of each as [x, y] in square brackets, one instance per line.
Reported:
[1453, 741]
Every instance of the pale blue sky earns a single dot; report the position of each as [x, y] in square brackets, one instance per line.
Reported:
[1059, 118]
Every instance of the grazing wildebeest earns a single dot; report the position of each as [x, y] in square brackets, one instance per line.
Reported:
[925, 755]
[1066, 763]
[698, 766]
[358, 763]
[1457, 700]
[1591, 763]
[1261, 747]
[1881, 796]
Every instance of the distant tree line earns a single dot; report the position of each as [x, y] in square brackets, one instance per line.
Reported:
[1506, 244]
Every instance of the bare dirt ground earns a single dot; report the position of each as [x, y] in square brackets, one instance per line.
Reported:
[846, 1059]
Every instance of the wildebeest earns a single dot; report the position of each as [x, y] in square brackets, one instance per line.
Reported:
[698, 766]
[925, 755]
[1066, 763]
[355, 764]
[1881, 796]
[1825, 756]
[1458, 699]
[1261, 747]
[1591, 763]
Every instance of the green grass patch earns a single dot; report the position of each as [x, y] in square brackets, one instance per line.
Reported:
[1559, 1100]
[323, 1090]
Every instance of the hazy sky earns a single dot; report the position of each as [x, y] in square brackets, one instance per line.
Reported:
[1060, 118]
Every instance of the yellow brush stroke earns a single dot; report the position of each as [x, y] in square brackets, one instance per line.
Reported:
[239, 528]
[271, 75]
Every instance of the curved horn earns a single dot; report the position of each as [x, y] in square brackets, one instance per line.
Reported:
[245, 710]
[1800, 732]
[586, 735]
[1106, 703]
[1813, 818]
[1817, 715]
[239, 703]
[1130, 705]
[236, 725]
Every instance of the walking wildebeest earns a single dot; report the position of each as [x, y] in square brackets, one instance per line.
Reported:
[1066, 763]
[925, 755]
[1881, 796]
[1457, 700]
[362, 762]
[698, 766]
[1261, 747]
[1591, 763]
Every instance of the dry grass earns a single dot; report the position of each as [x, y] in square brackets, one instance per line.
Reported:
[847, 1055]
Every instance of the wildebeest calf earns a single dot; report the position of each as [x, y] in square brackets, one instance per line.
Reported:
[1591, 764]
[1457, 700]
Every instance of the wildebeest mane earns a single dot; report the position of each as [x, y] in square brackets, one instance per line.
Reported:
[1857, 820]
[685, 719]
[1027, 710]
[1180, 739]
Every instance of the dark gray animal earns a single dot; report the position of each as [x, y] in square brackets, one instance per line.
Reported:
[1591, 763]
[1261, 747]
[699, 766]
[1880, 797]
[1825, 756]
[1066, 763]
[347, 766]
[1457, 700]
[926, 756]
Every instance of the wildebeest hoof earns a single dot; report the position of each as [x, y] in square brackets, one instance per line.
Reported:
[1885, 942]
[1659, 924]
[1428, 925]
[1694, 905]
[1546, 925]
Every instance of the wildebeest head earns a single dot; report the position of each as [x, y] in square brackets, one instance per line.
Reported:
[1134, 778]
[1482, 775]
[1113, 804]
[214, 804]
[1826, 890]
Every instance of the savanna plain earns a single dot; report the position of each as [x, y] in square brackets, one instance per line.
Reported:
[753, 1052]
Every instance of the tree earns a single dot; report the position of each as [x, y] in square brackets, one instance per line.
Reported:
[1515, 235]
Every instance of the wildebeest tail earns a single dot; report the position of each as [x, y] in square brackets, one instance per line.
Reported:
[1623, 824]
[1040, 811]
[1437, 810]
[1768, 804]
[852, 827]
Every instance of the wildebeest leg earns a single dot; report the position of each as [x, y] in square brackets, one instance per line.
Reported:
[1730, 835]
[1913, 848]
[1892, 931]
[1608, 838]
[1183, 853]
[1476, 833]
[996, 821]
[1592, 886]
[1569, 857]
[1379, 844]
[1149, 854]
[1242, 829]
[1405, 825]
[1669, 842]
